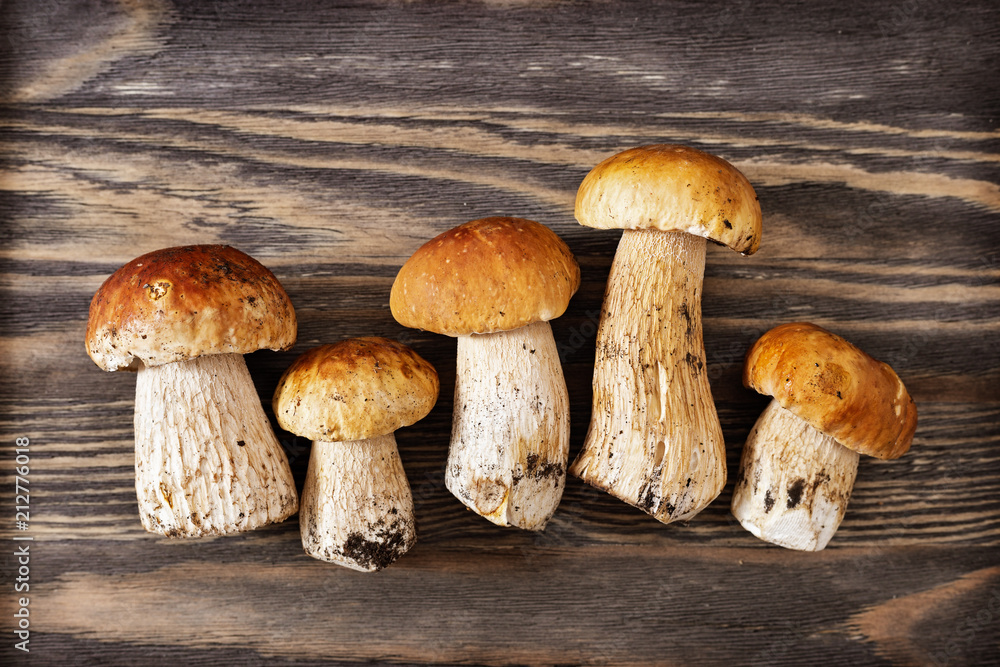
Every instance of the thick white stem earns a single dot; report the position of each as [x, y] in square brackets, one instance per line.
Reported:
[206, 459]
[794, 482]
[357, 510]
[654, 440]
[510, 430]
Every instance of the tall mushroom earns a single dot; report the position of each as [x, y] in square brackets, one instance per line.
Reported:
[206, 459]
[655, 440]
[349, 398]
[831, 401]
[495, 283]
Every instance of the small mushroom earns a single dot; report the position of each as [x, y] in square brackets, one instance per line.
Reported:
[349, 398]
[831, 401]
[494, 284]
[206, 459]
[655, 440]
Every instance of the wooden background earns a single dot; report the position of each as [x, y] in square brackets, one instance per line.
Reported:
[330, 140]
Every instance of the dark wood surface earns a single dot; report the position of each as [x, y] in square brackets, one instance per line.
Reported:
[329, 140]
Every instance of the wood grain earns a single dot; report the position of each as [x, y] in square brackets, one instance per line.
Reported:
[330, 140]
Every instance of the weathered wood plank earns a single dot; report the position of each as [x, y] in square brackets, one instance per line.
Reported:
[498, 606]
[944, 492]
[330, 140]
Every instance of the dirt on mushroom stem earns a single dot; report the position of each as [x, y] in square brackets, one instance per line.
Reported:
[654, 440]
[357, 508]
[794, 482]
[201, 470]
[510, 430]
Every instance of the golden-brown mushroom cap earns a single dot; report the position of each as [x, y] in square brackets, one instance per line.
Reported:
[356, 389]
[180, 303]
[488, 275]
[834, 387]
[672, 188]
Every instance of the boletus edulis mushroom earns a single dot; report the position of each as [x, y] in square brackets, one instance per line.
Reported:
[207, 461]
[831, 402]
[494, 284]
[349, 398]
[654, 439]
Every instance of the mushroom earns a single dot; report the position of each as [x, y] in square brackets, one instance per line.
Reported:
[207, 461]
[495, 283]
[831, 401]
[349, 398]
[655, 440]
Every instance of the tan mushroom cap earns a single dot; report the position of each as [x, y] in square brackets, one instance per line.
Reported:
[488, 275]
[356, 389]
[180, 303]
[672, 188]
[834, 387]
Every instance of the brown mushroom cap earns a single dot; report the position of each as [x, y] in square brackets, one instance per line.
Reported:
[834, 387]
[356, 389]
[672, 188]
[488, 275]
[180, 303]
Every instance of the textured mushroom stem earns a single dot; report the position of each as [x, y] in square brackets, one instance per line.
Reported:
[654, 439]
[510, 431]
[794, 482]
[206, 459]
[357, 510]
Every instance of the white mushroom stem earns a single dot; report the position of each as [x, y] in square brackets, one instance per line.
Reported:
[357, 510]
[794, 482]
[654, 440]
[510, 428]
[206, 459]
